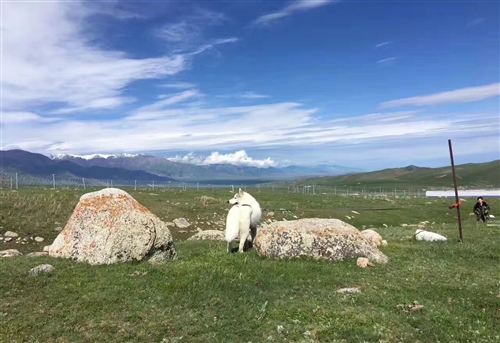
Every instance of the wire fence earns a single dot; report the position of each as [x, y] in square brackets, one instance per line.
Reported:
[17, 181]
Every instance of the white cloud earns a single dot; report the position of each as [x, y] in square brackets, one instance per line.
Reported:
[238, 158]
[190, 32]
[156, 110]
[252, 95]
[383, 44]
[456, 96]
[387, 60]
[50, 60]
[23, 117]
[246, 95]
[198, 127]
[178, 85]
[295, 6]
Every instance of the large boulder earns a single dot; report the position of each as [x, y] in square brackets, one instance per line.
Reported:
[327, 239]
[109, 226]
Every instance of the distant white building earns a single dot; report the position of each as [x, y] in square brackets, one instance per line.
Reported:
[469, 193]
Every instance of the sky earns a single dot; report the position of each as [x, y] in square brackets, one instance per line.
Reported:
[364, 84]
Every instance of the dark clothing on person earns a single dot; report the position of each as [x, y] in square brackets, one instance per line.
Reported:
[482, 211]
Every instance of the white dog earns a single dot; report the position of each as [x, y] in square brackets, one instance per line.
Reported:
[242, 219]
[422, 235]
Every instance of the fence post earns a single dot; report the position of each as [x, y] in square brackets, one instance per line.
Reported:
[153, 185]
[11, 183]
[83, 179]
[111, 183]
[135, 185]
[197, 186]
[17, 182]
[54, 181]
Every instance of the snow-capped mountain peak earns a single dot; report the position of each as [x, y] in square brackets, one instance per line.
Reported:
[92, 156]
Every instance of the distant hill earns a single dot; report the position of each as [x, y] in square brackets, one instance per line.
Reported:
[208, 173]
[468, 175]
[38, 164]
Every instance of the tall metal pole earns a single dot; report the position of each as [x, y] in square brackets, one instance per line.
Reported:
[456, 192]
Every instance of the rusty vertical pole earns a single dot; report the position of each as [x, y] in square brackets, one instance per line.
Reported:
[456, 192]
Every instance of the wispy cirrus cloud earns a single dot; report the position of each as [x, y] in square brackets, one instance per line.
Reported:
[246, 95]
[178, 85]
[387, 60]
[49, 60]
[163, 126]
[293, 7]
[190, 32]
[252, 95]
[383, 44]
[457, 96]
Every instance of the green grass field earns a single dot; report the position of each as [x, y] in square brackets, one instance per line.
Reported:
[210, 296]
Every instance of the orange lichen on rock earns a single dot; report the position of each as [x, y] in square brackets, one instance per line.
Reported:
[110, 226]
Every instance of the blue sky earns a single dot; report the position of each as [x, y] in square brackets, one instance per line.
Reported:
[367, 84]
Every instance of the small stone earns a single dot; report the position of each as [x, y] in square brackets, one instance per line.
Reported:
[10, 234]
[355, 212]
[348, 290]
[46, 248]
[10, 253]
[38, 254]
[363, 262]
[181, 223]
[270, 214]
[384, 243]
[58, 229]
[43, 268]
[8, 239]
[39, 239]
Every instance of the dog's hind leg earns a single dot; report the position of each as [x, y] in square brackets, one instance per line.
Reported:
[243, 239]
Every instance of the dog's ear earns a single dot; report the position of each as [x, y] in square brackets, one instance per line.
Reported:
[240, 191]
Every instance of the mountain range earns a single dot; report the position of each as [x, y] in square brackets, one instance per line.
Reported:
[153, 168]
[37, 164]
[208, 173]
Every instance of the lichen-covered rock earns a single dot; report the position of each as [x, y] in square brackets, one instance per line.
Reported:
[373, 236]
[109, 226]
[327, 239]
[208, 235]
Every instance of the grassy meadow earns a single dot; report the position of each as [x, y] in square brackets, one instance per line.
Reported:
[210, 296]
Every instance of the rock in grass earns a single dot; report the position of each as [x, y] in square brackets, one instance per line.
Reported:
[363, 262]
[10, 253]
[348, 290]
[38, 254]
[109, 226]
[181, 223]
[10, 234]
[43, 268]
[373, 236]
[325, 239]
[208, 235]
